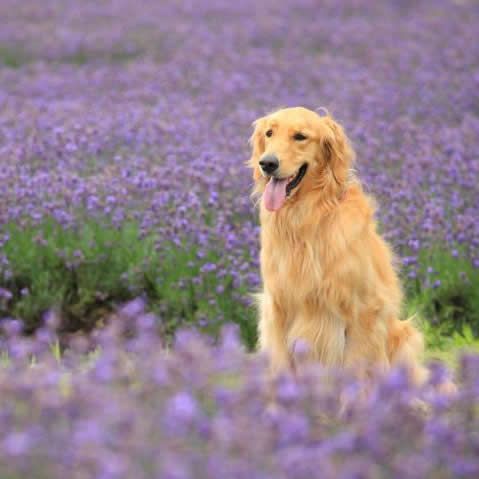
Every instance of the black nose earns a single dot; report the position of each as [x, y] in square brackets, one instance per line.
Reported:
[269, 164]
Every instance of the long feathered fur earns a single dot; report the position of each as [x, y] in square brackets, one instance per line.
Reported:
[328, 277]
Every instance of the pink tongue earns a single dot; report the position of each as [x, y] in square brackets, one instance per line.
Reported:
[275, 194]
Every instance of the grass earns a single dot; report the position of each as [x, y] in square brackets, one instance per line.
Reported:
[86, 272]
[445, 293]
[445, 298]
[13, 56]
[83, 56]
[450, 349]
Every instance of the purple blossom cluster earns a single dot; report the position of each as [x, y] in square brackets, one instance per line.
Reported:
[118, 405]
[144, 113]
[140, 113]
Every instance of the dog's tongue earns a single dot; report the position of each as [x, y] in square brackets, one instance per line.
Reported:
[275, 194]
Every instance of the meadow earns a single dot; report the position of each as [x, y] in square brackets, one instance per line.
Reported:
[129, 241]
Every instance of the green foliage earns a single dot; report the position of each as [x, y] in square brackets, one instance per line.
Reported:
[83, 56]
[445, 297]
[446, 292]
[13, 56]
[449, 348]
[87, 271]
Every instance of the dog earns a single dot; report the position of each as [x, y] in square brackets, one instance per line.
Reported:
[330, 280]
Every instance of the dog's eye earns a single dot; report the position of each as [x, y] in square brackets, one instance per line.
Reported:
[269, 133]
[299, 137]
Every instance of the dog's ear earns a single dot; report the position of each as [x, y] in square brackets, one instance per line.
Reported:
[336, 148]
[257, 146]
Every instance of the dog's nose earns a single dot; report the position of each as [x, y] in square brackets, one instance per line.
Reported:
[269, 164]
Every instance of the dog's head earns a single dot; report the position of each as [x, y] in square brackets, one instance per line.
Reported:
[296, 151]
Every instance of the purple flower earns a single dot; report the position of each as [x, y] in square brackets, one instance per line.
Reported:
[16, 444]
[144, 121]
[133, 308]
[183, 407]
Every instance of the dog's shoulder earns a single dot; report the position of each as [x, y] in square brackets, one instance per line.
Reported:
[355, 206]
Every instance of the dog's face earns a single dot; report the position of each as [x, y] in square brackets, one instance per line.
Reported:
[295, 151]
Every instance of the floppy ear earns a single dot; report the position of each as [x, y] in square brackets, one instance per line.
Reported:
[257, 145]
[337, 149]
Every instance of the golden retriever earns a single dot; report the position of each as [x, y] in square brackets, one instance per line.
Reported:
[328, 277]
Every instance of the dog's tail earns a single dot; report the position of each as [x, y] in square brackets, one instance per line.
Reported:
[406, 348]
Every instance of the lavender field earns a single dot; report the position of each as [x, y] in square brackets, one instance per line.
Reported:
[127, 231]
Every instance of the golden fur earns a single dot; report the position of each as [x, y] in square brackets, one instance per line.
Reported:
[328, 276]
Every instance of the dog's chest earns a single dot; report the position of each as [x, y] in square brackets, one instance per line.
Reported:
[290, 266]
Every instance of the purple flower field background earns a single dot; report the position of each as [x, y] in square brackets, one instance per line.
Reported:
[123, 141]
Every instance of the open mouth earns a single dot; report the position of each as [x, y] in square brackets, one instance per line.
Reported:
[296, 180]
[278, 189]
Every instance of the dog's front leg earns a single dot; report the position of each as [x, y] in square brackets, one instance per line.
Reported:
[365, 356]
[272, 331]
